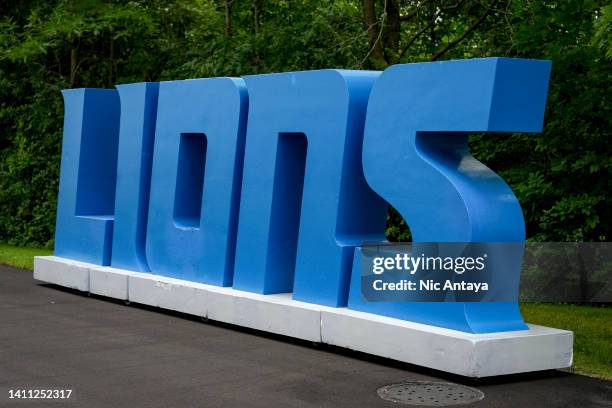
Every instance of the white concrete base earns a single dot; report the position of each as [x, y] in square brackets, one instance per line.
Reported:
[63, 272]
[472, 355]
[167, 293]
[109, 282]
[272, 313]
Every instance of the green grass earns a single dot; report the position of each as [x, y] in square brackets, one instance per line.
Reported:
[592, 326]
[20, 257]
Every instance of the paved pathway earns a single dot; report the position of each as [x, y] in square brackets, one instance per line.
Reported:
[112, 355]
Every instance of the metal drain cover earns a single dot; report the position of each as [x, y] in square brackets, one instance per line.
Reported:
[429, 394]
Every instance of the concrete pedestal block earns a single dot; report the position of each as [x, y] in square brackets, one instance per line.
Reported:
[467, 354]
[110, 282]
[62, 271]
[471, 355]
[168, 293]
[277, 313]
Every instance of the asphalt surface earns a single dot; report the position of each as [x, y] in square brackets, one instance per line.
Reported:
[113, 355]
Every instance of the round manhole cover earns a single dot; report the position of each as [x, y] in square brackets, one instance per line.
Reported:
[429, 394]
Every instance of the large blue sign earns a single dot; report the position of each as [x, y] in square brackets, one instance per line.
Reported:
[271, 183]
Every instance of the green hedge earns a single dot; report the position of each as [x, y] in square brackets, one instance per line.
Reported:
[561, 177]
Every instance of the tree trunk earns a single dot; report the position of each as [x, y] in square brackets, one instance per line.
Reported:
[228, 16]
[256, 15]
[392, 33]
[73, 67]
[112, 63]
[371, 23]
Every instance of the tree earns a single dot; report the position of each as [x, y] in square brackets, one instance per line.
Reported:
[561, 177]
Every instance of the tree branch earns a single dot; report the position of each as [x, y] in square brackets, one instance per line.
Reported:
[415, 37]
[467, 32]
[413, 13]
[429, 25]
[374, 30]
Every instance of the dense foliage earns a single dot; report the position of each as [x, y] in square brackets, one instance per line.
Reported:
[561, 177]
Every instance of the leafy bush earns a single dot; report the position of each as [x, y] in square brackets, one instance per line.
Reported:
[561, 177]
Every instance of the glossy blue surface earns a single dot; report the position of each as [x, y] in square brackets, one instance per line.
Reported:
[195, 184]
[85, 208]
[415, 156]
[305, 204]
[135, 157]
